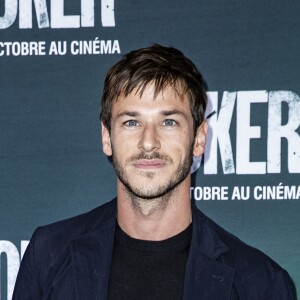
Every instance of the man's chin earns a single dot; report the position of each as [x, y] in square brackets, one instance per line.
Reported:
[150, 192]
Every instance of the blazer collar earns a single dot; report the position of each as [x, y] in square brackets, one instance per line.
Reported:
[206, 276]
[205, 237]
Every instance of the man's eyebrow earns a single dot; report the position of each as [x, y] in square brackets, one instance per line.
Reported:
[128, 114]
[172, 112]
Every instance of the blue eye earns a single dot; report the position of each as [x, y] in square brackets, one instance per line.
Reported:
[169, 122]
[131, 123]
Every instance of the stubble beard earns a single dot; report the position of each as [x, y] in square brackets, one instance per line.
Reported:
[156, 197]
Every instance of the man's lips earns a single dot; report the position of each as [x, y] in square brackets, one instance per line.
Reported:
[149, 164]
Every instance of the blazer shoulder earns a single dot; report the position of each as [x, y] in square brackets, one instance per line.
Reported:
[244, 256]
[253, 268]
[240, 254]
[256, 274]
[49, 254]
[61, 233]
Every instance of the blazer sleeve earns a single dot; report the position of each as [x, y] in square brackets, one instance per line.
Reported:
[27, 283]
[281, 287]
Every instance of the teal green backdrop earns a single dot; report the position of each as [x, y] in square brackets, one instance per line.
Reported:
[53, 59]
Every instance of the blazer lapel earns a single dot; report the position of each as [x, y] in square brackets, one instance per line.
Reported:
[206, 277]
[91, 256]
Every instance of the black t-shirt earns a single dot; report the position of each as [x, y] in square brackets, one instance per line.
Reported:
[148, 269]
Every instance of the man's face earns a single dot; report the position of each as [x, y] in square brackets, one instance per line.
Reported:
[151, 141]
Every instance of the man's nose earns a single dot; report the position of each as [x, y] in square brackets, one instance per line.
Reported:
[149, 140]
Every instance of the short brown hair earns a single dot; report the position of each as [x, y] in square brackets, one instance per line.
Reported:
[156, 64]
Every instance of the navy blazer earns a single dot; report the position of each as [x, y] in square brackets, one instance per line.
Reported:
[71, 259]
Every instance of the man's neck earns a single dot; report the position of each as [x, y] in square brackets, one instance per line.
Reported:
[155, 219]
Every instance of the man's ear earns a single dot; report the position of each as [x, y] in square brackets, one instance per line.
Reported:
[200, 139]
[106, 143]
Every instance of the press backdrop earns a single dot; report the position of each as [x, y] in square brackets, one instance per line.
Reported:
[53, 58]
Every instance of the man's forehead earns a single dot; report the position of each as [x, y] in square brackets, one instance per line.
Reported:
[155, 91]
[167, 102]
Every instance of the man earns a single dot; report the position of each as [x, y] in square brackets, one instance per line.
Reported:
[150, 242]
